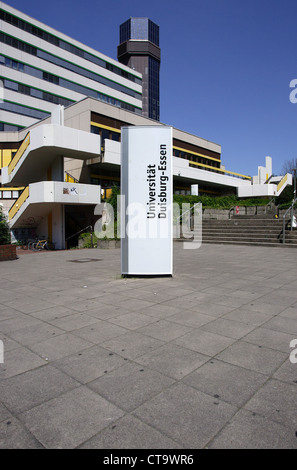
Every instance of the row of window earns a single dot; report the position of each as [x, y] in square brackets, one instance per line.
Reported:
[6, 127]
[66, 83]
[23, 110]
[106, 133]
[16, 43]
[25, 26]
[13, 194]
[187, 191]
[195, 158]
[34, 92]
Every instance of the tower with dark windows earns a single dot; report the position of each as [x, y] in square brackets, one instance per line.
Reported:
[139, 49]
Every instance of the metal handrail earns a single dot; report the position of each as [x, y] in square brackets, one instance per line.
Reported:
[187, 210]
[75, 180]
[18, 203]
[291, 208]
[20, 152]
[269, 204]
[245, 209]
[88, 226]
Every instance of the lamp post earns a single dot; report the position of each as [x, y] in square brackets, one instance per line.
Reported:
[294, 199]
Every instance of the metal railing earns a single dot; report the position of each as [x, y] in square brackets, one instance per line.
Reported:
[69, 178]
[190, 211]
[220, 170]
[249, 209]
[245, 210]
[269, 204]
[180, 216]
[19, 154]
[80, 231]
[290, 209]
[18, 203]
[282, 182]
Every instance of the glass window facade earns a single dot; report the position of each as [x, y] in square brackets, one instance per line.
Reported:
[5, 127]
[24, 110]
[139, 29]
[106, 133]
[29, 91]
[154, 89]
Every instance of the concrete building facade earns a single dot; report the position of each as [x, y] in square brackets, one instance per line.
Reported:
[41, 67]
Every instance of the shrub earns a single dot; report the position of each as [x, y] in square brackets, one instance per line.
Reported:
[5, 238]
[219, 202]
[87, 240]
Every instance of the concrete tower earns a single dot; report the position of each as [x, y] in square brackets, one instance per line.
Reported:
[139, 49]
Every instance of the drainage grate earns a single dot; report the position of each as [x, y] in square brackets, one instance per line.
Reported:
[84, 260]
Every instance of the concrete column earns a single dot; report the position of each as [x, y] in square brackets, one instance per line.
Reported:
[57, 169]
[194, 190]
[58, 227]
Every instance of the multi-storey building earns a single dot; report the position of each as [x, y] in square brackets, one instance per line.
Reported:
[40, 68]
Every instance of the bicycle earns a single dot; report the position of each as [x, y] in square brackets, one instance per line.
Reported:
[30, 243]
[40, 245]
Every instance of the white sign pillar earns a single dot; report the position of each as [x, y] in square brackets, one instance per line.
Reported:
[194, 190]
[146, 189]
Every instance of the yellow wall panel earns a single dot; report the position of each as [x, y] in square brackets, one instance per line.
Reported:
[6, 157]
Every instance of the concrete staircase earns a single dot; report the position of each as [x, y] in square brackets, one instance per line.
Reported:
[262, 229]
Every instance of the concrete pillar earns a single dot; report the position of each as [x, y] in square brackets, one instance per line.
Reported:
[58, 227]
[57, 169]
[268, 163]
[194, 190]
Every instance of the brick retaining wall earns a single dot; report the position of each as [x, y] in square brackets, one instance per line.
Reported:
[7, 252]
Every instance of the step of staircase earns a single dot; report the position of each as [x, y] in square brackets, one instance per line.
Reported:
[257, 230]
[253, 243]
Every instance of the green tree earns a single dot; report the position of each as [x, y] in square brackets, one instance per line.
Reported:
[289, 165]
[4, 230]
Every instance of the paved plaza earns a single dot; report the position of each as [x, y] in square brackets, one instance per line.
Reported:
[199, 360]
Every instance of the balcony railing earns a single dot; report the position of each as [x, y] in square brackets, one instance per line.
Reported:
[18, 203]
[19, 154]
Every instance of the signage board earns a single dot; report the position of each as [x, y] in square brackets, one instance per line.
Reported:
[146, 190]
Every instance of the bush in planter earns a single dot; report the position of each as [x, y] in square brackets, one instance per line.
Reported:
[87, 240]
[5, 238]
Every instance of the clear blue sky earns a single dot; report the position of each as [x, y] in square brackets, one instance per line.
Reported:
[226, 66]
